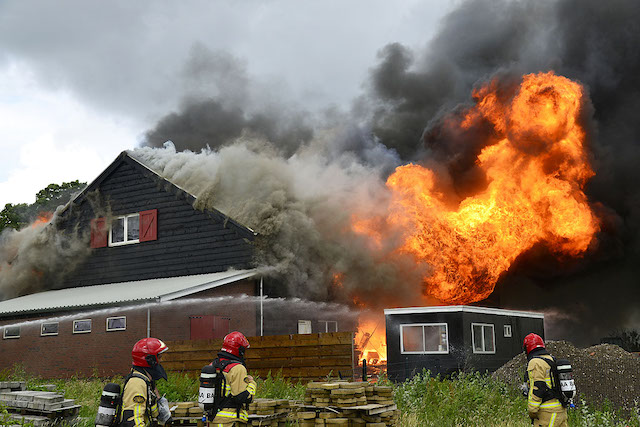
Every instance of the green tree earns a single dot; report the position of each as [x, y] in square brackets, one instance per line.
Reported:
[47, 200]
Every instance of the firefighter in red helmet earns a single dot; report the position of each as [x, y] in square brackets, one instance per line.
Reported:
[240, 386]
[141, 402]
[543, 405]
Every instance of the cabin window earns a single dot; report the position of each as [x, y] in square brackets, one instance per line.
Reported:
[424, 338]
[507, 331]
[49, 328]
[82, 326]
[328, 326]
[124, 230]
[116, 323]
[304, 326]
[11, 332]
[483, 338]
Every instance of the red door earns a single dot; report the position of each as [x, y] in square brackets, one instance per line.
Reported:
[208, 327]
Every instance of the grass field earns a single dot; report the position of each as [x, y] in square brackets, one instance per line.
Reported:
[464, 400]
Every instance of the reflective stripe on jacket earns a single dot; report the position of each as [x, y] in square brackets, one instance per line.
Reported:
[137, 408]
[237, 383]
[539, 370]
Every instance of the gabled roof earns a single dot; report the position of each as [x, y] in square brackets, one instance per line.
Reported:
[125, 157]
[462, 308]
[152, 290]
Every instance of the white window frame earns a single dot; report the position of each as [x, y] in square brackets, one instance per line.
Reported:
[507, 331]
[446, 329]
[305, 323]
[126, 222]
[116, 329]
[493, 332]
[326, 325]
[43, 334]
[4, 333]
[82, 320]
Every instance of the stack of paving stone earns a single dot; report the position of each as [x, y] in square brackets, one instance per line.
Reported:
[7, 386]
[39, 407]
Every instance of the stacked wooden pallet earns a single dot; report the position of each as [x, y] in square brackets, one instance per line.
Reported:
[186, 413]
[39, 407]
[270, 412]
[347, 403]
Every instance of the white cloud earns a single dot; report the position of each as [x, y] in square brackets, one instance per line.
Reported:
[48, 137]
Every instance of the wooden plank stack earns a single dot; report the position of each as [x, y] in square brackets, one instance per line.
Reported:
[301, 356]
[39, 408]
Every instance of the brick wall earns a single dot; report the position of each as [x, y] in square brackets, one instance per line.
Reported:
[109, 353]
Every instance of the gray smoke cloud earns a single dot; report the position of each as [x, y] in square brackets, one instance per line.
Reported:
[302, 208]
[409, 97]
[592, 42]
[35, 257]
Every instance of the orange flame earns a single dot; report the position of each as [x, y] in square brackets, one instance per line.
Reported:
[371, 340]
[43, 218]
[536, 172]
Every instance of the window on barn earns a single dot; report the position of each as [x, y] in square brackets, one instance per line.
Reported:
[82, 326]
[116, 323]
[507, 331]
[304, 326]
[328, 326]
[124, 230]
[424, 338]
[11, 332]
[483, 338]
[50, 328]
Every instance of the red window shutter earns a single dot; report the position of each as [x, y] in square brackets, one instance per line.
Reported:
[99, 238]
[149, 225]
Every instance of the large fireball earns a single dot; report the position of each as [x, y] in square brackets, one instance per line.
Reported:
[536, 171]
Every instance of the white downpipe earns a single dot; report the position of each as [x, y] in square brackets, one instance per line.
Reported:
[148, 322]
[261, 310]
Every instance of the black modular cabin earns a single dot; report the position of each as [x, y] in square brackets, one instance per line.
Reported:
[446, 339]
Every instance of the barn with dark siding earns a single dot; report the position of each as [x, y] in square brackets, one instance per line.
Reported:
[157, 266]
[446, 339]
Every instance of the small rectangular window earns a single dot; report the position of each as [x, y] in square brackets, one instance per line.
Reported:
[82, 326]
[116, 323]
[11, 332]
[49, 329]
[304, 326]
[424, 338]
[328, 326]
[124, 230]
[483, 338]
[507, 331]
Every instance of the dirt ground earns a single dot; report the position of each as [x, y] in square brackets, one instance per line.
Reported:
[601, 372]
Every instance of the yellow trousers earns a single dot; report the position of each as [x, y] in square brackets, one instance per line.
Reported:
[551, 419]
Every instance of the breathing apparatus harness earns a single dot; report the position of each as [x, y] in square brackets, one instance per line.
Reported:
[110, 409]
[562, 383]
[212, 396]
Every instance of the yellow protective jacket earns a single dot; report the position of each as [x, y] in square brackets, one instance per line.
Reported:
[139, 402]
[238, 386]
[539, 373]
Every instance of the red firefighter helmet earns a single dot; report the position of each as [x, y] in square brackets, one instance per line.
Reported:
[235, 343]
[532, 341]
[145, 352]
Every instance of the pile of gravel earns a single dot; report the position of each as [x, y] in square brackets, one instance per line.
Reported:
[601, 372]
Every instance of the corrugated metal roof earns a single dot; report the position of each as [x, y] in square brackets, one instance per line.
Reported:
[114, 293]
